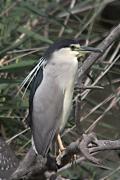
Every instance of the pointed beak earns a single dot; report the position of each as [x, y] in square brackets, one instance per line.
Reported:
[90, 49]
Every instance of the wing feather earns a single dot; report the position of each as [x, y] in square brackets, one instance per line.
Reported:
[46, 113]
[34, 85]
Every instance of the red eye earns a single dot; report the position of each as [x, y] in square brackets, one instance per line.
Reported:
[72, 47]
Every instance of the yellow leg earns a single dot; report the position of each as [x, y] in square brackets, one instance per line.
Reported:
[60, 144]
[62, 148]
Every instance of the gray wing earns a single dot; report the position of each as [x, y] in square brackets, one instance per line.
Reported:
[46, 114]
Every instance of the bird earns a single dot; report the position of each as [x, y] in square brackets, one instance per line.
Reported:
[52, 85]
[8, 160]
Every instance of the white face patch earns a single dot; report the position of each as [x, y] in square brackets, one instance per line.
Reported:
[64, 54]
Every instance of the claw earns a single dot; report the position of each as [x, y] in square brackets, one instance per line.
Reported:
[73, 159]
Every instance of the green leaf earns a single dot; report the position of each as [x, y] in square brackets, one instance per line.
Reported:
[9, 81]
[21, 65]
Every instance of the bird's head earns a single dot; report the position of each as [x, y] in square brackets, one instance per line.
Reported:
[81, 51]
[68, 47]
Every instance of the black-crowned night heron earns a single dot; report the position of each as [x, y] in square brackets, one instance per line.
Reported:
[52, 91]
[8, 160]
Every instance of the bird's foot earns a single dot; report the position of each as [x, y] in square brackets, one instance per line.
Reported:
[61, 150]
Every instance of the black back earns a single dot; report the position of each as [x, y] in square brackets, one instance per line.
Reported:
[34, 85]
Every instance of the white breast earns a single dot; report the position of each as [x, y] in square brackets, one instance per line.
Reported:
[67, 104]
[66, 65]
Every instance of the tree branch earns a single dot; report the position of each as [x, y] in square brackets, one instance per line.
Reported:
[83, 69]
[38, 166]
[114, 35]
